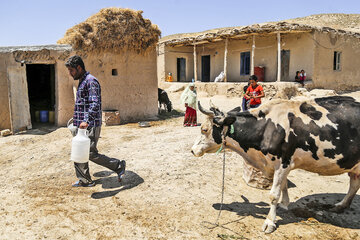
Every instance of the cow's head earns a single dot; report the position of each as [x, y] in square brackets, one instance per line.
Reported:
[211, 131]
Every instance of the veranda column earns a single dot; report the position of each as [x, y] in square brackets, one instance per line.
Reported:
[252, 56]
[225, 60]
[279, 58]
[195, 63]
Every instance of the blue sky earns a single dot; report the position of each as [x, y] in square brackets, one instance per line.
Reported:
[39, 22]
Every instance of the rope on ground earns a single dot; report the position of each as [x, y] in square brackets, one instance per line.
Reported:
[211, 225]
[216, 224]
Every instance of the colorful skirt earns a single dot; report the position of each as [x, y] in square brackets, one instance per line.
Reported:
[190, 117]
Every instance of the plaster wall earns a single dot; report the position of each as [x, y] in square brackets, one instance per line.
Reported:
[64, 94]
[4, 97]
[170, 61]
[133, 92]
[18, 98]
[265, 55]
[216, 53]
[10, 66]
[161, 73]
[17, 103]
[301, 48]
[64, 100]
[235, 48]
[348, 77]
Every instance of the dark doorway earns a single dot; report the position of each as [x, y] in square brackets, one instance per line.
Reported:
[245, 63]
[205, 68]
[41, 90]
[181, 70]
[285, 63]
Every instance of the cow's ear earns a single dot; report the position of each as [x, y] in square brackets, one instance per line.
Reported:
[229, 120]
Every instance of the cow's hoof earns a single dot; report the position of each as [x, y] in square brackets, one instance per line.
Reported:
[337, 209]
[283, 206]
[268, 226]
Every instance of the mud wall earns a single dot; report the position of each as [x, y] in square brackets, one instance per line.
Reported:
[216, 53]
[300, 45]
[13, 71]
[348, 77]
[64, 94]
[170, 61]
[133, 91]
[4, 97]
[64, 100]
[161, 72]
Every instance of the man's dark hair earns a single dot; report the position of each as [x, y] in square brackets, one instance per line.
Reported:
[75, 61]
[253, 77]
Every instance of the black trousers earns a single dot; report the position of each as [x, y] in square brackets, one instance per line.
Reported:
[82, 169]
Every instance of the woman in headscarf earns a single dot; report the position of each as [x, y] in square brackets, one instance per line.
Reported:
[188, 97]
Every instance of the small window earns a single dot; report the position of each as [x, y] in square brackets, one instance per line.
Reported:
[337, 61]
[114, 72]
[245, 63]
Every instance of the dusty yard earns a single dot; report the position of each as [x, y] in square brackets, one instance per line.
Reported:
[166, 192]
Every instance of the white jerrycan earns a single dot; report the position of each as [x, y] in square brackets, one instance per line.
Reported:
[80, 147]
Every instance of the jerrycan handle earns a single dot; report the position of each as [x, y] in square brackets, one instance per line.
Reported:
[82, 131]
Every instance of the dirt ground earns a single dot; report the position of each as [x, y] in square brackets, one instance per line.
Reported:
[166, 193]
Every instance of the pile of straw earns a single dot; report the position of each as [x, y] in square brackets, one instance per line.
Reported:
[115, 30]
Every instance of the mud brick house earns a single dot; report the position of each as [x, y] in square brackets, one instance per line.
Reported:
[118, 47]
[326, 46]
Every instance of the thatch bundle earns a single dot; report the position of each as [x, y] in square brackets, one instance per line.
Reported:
[115, 30]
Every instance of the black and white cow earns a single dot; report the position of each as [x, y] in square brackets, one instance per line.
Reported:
[164, 100]
[320, 135]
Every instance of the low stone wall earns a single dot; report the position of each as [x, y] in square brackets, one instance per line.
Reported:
[284, 90]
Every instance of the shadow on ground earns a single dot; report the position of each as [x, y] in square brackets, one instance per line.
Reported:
[163, 115]
[315, 206]
[39, 129]
[129, 180]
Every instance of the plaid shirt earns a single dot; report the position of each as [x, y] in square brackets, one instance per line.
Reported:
[88, 102]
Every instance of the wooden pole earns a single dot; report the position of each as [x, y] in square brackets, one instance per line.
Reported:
[252, 56]
[225, 60]
[195, 63]
[279, 58]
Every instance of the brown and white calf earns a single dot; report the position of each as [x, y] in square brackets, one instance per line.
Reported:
[320, 135]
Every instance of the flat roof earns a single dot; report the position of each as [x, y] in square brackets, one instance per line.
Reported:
[56, 47]
[341, 24]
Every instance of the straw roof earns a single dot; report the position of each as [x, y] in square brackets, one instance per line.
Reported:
[338, 21]
[115, 30]
[345, 24]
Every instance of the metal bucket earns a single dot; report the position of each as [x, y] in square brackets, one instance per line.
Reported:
[71, 126]
[144, 124]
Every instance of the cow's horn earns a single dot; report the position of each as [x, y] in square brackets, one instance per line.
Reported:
[204, 111]
[212, 104]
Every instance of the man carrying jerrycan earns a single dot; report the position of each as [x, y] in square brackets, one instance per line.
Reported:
[87, 115]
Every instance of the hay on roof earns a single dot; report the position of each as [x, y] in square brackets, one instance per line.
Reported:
[341, 24]
[115, 30]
